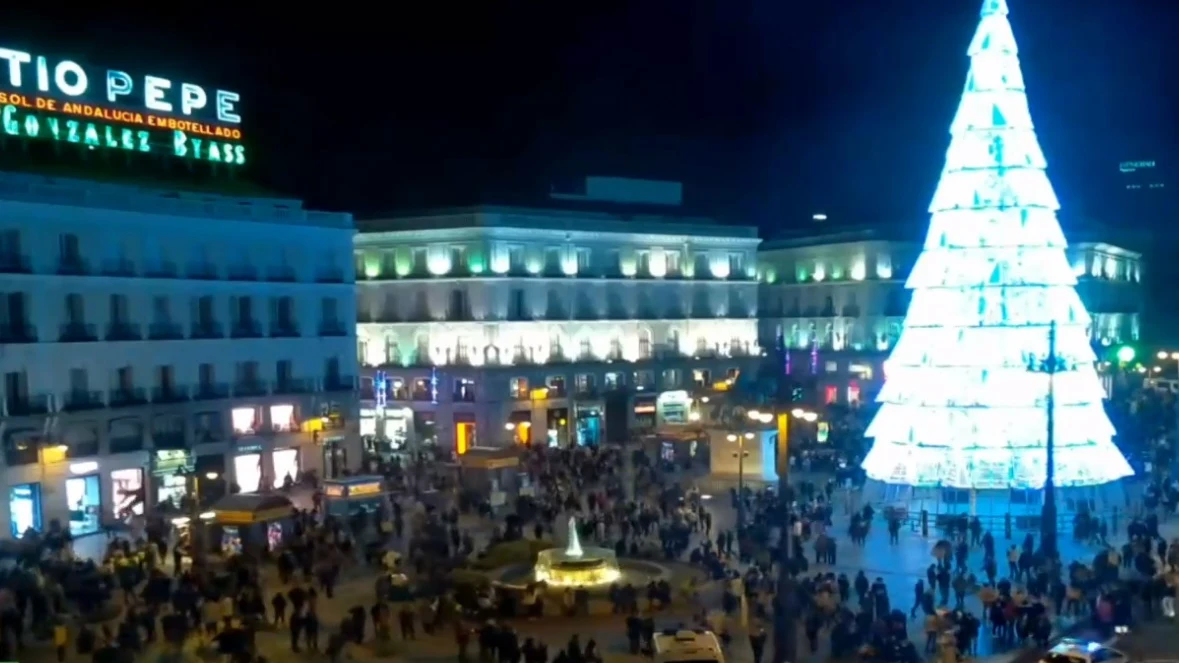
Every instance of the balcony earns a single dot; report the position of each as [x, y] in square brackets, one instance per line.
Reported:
[123, 331]
[206, 330]
[15, 263]
[203, 271]
[247, 329]
[128, 397]
[79, 400]
[284, 330]
[165, 331]
[118, 267]
[211, 391]
[250, 388]
[169, 439]
[72, 266]
[18, 332]
[77, 332]
[332, 328]
[243, 273]
[339, 383]
[162, 270]
[282, 275]
[25, 405]
[293, 386]
[169, 394]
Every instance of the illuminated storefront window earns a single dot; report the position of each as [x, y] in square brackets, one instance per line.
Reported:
[282, 418]
[286, 465]
[245, 420]
[24, 509]
[127, 493]
[247, 470]
[84, 499]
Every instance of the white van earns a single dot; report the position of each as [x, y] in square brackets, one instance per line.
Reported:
[684, 646]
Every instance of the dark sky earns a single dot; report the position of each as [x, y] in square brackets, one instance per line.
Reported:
[767, 110]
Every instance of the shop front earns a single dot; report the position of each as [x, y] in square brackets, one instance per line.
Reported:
[465, 432]
[24, 509]
[247, 468]
[127, 493]
[84, 498]
[644, 413]
[335, 456]
[673, 408]
[557, 428]
[170, 468]
[588, 426]
[286, 466]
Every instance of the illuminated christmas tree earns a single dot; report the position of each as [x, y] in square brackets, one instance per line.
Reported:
[960, 406]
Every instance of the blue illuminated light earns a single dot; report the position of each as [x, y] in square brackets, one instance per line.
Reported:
[960, 407]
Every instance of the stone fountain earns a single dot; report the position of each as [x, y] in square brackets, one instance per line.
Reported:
[576, 566]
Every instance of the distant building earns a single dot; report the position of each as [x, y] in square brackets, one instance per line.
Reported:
[149, 336]
[491, 326]
[837, 303]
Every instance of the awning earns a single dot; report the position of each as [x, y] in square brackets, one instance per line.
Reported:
[246, 509]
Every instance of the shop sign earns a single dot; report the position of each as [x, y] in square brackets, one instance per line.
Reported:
[249, 448]
[364, 489]
[87, 467]
[333, 490]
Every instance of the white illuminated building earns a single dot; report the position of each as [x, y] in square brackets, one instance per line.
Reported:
[838, 300]
[149, 336]
[483, 319]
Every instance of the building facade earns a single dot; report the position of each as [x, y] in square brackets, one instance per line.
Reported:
[837, 303]
[489, 326]
[151, 337]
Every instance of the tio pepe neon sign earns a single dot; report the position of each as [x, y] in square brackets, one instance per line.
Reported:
[27, 72]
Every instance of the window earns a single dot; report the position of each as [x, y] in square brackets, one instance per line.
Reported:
[284, 313]
[736, 264]
[119, 313]
[671, 378]
[245, 310]
[585, 349]
[583, 260]
[702, 377]
[124, 379]
[79, 381]
[247, 372]
[331, 369]
[616, 348]
[161, 310]
[645, 263]
[673, 262]
[165, 378]
[518, 388]
[515, 257]
[830, 367]
[516, 304]
[464, 390]
[75, 309]
[614, 380]
[71, 250]
[585, 383]
[644, 380]
[205, 310]
[398, 390]
[556, 385]
[206, 375]
[328, 310]
[458, 304]
[644, 345]
[284, 371]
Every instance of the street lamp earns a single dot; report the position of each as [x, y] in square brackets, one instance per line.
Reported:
[741, 453]
[1050, 365]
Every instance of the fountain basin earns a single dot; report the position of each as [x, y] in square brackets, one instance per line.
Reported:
[590, 567]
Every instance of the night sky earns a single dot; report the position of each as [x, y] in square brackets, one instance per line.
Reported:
[768, 111]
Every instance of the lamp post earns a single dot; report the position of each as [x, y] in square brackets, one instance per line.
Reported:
[1049, 365]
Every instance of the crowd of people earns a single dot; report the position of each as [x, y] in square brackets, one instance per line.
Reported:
[152, 592]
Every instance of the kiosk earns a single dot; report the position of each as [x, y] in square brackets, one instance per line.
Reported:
[251, 523]
[345, 496]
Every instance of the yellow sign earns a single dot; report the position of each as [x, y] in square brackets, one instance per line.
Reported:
[333, 491]
[364, 489]
[540, 393]
[783, 464]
